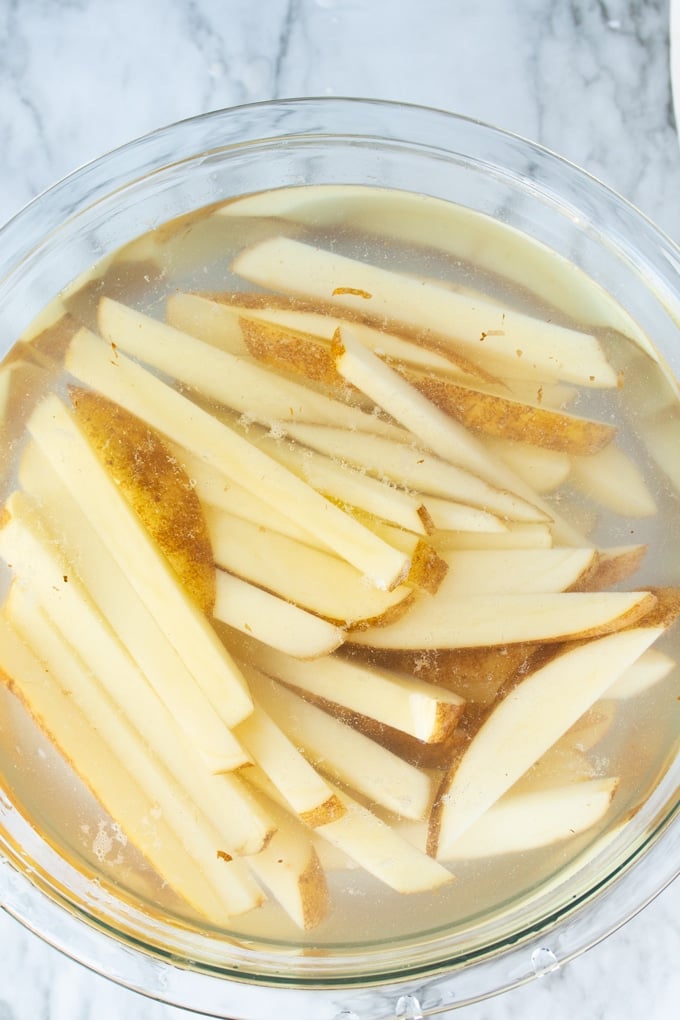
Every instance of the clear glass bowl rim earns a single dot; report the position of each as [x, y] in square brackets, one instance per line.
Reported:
[19, 238]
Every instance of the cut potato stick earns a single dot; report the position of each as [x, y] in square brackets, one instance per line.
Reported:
[290, 869]
[612, 566]
[507, 418]
[651, 668]
[544, 470]
[408, 465]
[519, 822]
[449, 516]
[517, 535]
[445, 437]
[88, 635]
[437, 430]
[232, 381]
[346, 755]
[291, 772]
[219, 491]
[342, 483]
[524, 724]
[483, 571]
[185, 423]
[233, 888]
[382, 851]
[310, 578]
[491, 619]
[272, 620]
[661, 436]
[368, 842]
[111, 591]
[398, 700]
[55, 431]
[612, 479]
[108, 775]
[219, 319]
[427, 567]
[552, 351]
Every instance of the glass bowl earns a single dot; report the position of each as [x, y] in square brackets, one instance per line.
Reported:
[531, 192]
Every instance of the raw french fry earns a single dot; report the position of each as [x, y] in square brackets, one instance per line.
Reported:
[342, 483]
[346, 755]
[290, 869]
[223, 493]
[145, 471]
[56, 432]
[563, 764]
[517, 535]
[398, 700]
[544, 470]
[428, 569]
[109, 588]
[272, 620]
[519, 822]
[308, 577]
[233, 889]
[492, 619]
[612, 479]
[554, 352]
[382, 851]
[592, 727]
[88, 635]
[661, 436]
[612, 566]
[292, 774]
[182, 421]
[436, 430]
[449, 516]
[236, 382]
[108, 776]
[480, 571]
[651, 668]
[524, 724]
[454, 231]
[508, 418]
[214, 322]
[407, 465]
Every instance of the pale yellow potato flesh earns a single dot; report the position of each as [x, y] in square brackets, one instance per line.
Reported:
[185, 423]
[525, 724]
[614, 481]
[480, 571]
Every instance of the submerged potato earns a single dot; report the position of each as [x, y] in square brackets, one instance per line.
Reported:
[156, 486]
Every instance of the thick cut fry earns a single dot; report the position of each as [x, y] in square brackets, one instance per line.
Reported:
[542, 469]
[483, 330]
[611, 567]
[481, 571]
[408, 465]
[182, 421]
[526, 821]
[86, 556]
[272, 620]
[157, 488]
[516, 535]
[97, 647]
[612, 479]
[447, 515]
[238, 383]
[346, 755]
[479, 620]
[292, 774]
[290, 869]
[108, 776]
[524, 724]
[397, 700]
[494, 415]
[234, 890]
[651, 668]
[310, 578]
[61, 441]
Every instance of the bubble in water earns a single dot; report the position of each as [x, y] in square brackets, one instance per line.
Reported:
[544, 961]
[409, 1008]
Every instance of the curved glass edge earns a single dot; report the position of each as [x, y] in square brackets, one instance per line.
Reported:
[108, 173]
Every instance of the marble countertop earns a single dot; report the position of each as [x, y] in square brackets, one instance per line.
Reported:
[587, 78]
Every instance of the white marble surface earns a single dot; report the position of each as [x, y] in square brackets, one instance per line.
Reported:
[588, 78]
